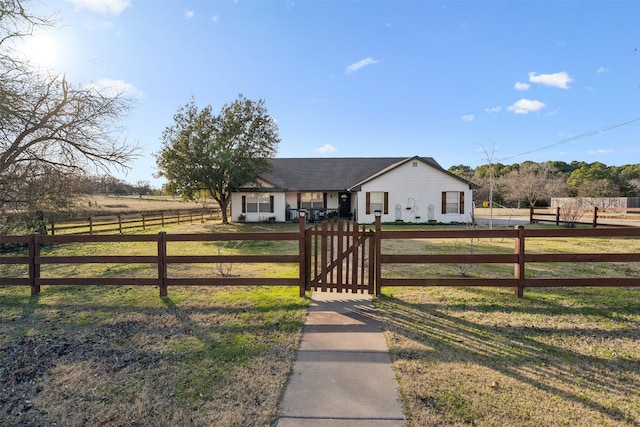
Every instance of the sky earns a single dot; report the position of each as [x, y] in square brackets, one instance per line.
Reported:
[464, 82]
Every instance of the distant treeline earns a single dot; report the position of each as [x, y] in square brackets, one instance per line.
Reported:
[533, 184]
[107, 184]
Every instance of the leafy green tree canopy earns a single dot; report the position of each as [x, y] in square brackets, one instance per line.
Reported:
[217, 153]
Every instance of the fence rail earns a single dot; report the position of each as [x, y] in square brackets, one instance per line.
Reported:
[120, 223]
[575, 214]
[160, 259]
[519, 259]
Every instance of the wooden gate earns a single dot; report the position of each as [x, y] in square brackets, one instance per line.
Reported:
[340, 257]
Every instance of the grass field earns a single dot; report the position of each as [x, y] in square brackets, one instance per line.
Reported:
[105, 205]
[478, 356]
[221, 356]
[122, 356]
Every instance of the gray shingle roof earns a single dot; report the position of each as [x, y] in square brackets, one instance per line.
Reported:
[331, 173]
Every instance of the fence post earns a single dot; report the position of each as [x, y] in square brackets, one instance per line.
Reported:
[557, 215]
[90, 226]
[120, 223]
[595, 216]
[162, 263]
[34, 268]
[372, 264]
[378, 252]
[144, 225]
[162, 218]
[518, 268]
[302, 256]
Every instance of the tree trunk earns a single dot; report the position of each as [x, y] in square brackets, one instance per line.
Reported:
[223, 202]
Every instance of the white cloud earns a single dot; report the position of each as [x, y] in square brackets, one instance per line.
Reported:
[561, 79]
[360, 64]
[602, 70]
[493, 109]
[189, 14]
[468, 117]
[215, 18]
[112, 87]
[525, 106]
[522, 86]
[326, 148]
[600, 151]
[104, 7]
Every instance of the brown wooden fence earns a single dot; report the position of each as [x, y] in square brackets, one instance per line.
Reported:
[377, 258]
[519, 258]
[121, 223]
[593, 216]
[161, 259]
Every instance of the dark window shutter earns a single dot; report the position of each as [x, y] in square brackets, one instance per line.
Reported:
[271, 204]
[444, 202]
[324, 200]
[368, 202]
[244, 204]
[462, 203]
[386, 202]
[299, 200]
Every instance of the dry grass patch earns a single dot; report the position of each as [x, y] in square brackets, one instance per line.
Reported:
[557, 357]
[122, 356]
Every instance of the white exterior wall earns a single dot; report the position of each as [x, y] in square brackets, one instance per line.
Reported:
[278, 207]
[280, 203]
[415, 188]
[291, 199]
[332, 200]
[236, 206]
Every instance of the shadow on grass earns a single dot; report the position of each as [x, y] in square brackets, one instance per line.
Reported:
[543, 357]
[186, 352]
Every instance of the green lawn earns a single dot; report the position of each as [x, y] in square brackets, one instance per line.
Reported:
[203, 356]
[479, 356]
[123, 356]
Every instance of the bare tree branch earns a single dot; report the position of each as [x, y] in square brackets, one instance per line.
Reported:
[51, 131]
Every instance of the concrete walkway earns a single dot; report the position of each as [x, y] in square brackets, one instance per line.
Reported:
[342, 375]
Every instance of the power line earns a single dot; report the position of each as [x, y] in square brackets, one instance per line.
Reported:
[573, 138]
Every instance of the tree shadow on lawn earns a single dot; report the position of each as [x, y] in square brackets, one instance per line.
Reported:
[486, 331]
[69, 355]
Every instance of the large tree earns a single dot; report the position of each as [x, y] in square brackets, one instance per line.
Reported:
[51, 131]
[217, 153]
[531, 182]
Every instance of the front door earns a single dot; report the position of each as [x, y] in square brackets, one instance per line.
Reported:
[344, 205]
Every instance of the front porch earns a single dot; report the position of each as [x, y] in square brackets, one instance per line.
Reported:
[312, 214]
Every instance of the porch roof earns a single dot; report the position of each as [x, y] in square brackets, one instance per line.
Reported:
[331, 173]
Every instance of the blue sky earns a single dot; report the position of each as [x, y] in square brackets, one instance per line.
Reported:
[461, 81]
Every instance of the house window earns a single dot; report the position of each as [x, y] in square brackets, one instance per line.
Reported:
[258, 202]
[377, 201]
[453, 202]
[312, 200]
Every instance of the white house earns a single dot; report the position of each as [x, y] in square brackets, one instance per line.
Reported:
[415, 189]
